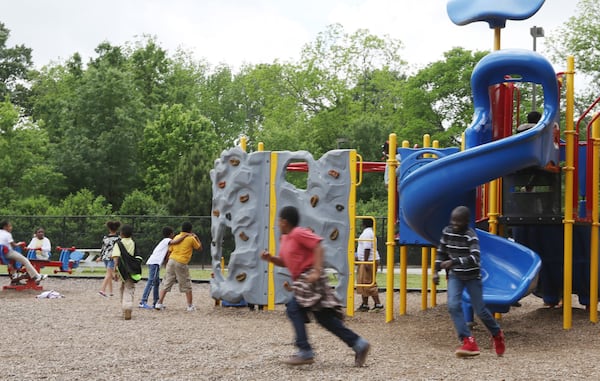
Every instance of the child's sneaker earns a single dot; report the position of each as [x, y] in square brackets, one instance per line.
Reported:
[40, 278]
[191, 308]
[498, 343]
[377, 308]
[363, 308]
[159, 306]
[145, 306]
[468, 349]
[300, 358]
[361, 350]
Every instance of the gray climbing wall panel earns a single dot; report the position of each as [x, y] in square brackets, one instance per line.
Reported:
[241, 205]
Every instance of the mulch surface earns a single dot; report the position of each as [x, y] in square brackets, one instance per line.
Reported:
[83, 337]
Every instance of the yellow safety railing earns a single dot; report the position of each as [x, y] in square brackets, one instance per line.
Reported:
[373, 262]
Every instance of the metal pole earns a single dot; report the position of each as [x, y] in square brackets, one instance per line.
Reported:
[535, 31]
[533, 100]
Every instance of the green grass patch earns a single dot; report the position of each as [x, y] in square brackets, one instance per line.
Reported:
[413, 281]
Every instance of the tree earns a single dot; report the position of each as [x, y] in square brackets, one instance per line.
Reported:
[580, 37]
[191, 190]
[179, 149]
[26, 170]
[438, 99]
[15, 63]
[139, 203]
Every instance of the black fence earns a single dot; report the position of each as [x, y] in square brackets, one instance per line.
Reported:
[87, 232]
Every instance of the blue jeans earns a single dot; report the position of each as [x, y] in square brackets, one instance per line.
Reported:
[109, 263]
[152, 283]
[475, 289]
[327, 319]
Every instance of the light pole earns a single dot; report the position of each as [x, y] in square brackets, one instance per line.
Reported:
[535, 31]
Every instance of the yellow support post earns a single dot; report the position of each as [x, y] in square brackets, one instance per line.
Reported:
[493, 185]
[403, 264]
[424, 268]
[425, 249]
[352, 232]
[569, 221]
[595, 224]
[436, 144]
[403, 280]
[391, 224]
[433, 285]
[272, 222]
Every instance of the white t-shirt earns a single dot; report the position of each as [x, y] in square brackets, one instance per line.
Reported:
[365, 242]
[158, 254]
[44, 243]
[6, 238]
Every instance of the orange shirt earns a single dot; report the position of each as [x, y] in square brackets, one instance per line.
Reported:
[182, 252]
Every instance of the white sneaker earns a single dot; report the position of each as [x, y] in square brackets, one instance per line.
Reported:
[191, 308]
[159, 306]
[40, 278]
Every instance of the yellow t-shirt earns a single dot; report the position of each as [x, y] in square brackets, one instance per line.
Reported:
[182, 252]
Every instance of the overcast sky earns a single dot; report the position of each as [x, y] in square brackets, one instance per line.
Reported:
[255, 31]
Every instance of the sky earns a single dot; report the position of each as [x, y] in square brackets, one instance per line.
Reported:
[237, 32]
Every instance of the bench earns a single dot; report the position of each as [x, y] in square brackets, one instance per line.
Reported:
[88, 262]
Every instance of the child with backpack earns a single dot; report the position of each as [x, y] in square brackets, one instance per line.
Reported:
[126, 246]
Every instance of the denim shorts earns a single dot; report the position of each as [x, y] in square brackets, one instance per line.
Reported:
[109, 263]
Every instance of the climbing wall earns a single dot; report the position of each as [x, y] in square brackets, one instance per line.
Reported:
[241, 205]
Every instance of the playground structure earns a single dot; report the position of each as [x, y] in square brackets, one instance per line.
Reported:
[248, 191]
[20, 280]
[513, 182]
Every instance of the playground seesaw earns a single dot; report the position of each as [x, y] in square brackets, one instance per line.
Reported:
[20, 279]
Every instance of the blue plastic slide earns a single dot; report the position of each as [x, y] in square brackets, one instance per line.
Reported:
[429, 194]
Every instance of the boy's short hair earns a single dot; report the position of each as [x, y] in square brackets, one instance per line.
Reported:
[462, 212]
[290, 214]
[534, 117]
[186, 227]
[4, 223]
[127, 231]
[367, 223]
[167, 231]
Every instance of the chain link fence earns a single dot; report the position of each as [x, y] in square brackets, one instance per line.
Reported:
[87, 232]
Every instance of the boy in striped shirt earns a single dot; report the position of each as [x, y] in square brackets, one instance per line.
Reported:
[458, 254]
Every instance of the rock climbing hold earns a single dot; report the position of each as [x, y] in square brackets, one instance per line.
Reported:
[314, 200]
[334, 234]
[333, 173]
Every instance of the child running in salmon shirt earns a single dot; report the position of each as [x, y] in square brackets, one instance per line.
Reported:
[301, 252]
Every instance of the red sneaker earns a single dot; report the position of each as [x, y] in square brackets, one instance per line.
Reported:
[468, 349]
[498, 343]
